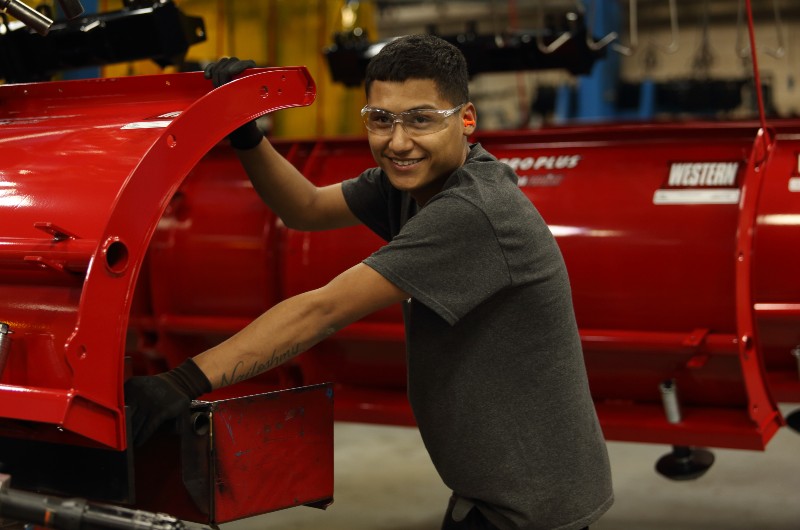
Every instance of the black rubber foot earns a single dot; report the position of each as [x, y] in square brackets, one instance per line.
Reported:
[793, 421]
[685, 463]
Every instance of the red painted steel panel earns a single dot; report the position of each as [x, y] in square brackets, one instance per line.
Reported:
[775, 267]
[247, 456]
[88, 169]
[287, 453]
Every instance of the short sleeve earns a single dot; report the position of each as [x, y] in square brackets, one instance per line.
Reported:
[368, 198]
[381, 207]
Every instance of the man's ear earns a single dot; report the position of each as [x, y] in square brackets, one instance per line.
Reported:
[470, 121]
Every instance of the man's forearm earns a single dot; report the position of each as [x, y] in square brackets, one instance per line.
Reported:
[280, 334]
[298, 323]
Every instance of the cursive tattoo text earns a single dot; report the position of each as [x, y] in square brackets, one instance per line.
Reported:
[240, 372]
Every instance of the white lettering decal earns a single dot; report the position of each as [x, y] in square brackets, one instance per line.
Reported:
[697, 196]
[703, 174]
[548, 162]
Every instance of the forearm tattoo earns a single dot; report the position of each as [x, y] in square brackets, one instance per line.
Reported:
[241, 372]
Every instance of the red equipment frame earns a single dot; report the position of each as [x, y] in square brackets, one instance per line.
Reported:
[89, 167]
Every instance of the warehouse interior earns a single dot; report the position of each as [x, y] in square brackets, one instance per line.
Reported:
[639, 62]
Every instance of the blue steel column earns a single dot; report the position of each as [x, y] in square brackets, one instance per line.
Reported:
[597, 92]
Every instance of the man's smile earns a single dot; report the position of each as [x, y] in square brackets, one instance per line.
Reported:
[405, 162]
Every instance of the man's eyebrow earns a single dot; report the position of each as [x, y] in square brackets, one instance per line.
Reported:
[418, 108]
[424, 106]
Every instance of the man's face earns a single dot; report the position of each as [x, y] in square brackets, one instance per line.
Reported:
[418, 164]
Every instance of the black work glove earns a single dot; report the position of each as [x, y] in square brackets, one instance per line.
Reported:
[223, 71]
[156, 399]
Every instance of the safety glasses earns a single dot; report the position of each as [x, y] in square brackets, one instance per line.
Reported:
[417, 122]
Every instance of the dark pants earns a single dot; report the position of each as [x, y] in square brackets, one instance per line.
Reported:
[473, 521]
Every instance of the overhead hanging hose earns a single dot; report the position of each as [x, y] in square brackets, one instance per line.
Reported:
[756, 75]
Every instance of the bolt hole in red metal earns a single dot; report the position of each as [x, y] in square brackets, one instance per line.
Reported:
[116, 255]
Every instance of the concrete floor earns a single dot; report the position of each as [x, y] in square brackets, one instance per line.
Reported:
[384, 481]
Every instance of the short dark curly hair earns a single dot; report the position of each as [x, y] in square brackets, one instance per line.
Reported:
[422, 57]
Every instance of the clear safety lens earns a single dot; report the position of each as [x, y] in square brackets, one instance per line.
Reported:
[415, 122]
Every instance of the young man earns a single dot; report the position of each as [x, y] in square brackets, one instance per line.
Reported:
[496, 377]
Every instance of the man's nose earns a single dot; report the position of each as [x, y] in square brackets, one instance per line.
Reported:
[400, 139]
